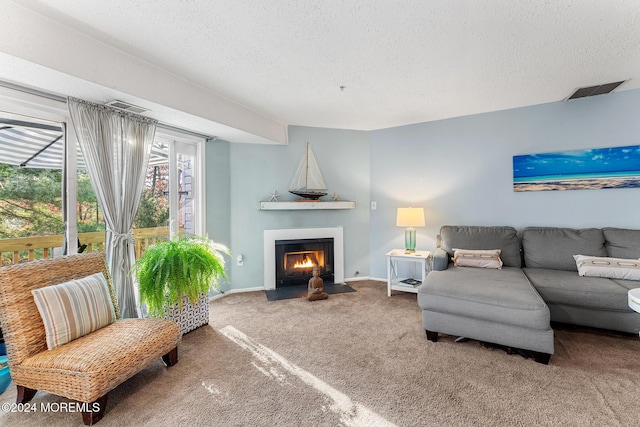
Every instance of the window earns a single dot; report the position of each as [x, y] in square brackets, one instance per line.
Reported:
[31, 214]
[54, 180]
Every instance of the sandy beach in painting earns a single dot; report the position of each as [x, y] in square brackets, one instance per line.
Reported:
[578, 184]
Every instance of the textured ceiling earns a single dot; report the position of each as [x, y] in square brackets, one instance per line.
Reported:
[400, 61]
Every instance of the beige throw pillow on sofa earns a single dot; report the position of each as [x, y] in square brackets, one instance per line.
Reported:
[612, 268]
[483, 258]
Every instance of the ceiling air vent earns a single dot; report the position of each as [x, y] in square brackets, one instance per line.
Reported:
[121, 105]
[595, 90]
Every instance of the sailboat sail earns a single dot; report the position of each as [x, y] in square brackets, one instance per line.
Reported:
[308, 181]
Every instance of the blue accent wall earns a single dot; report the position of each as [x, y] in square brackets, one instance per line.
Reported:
[218, 195]
[460, 170]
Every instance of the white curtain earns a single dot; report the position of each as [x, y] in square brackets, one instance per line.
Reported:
[116, 148]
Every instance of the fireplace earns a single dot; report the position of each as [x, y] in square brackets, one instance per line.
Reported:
[305, 247]
[295, 260]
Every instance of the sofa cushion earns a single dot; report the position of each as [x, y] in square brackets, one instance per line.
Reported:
[554, 248]
[567, 288]
[503, 296]
[627, 284]
[475, 237]
[622, 243]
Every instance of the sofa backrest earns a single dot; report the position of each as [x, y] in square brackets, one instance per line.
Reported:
[554, 248]
[476, 237]
[622, 243]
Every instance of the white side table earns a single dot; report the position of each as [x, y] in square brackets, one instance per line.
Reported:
[394, 282]
[634, 299]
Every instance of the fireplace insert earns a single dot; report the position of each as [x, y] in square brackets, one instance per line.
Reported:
[295, 260]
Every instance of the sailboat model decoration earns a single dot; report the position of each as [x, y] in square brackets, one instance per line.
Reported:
[308, 181]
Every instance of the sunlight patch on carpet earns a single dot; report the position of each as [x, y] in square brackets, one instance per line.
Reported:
[272, 373]
[351, 413]
[210, 388]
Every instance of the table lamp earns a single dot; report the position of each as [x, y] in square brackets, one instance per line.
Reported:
[410, 218]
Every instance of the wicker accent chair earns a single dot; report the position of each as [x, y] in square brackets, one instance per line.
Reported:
[87, 368]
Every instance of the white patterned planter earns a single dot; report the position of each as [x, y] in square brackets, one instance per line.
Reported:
[190, 316]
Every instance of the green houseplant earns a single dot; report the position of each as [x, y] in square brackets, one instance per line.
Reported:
[175, 276]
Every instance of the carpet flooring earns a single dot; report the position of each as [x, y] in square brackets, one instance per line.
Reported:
[289, 292]
[362, 359]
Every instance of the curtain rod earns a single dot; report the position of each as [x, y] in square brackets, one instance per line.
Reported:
[58, 98]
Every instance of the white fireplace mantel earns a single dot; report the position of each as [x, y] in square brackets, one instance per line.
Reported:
[270, 237]
[314, 205]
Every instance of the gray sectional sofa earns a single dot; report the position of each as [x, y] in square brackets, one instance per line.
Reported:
[538, 283]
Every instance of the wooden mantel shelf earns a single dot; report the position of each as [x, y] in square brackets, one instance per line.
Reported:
[312, 205]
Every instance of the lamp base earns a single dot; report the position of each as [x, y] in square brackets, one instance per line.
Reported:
[410, 240]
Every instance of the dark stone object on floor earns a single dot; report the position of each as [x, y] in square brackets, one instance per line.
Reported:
[289, 292]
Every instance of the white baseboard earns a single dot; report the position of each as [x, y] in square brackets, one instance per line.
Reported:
[355, 279]
[235, 291]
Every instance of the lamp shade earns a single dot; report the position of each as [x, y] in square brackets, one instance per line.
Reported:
[410, 217]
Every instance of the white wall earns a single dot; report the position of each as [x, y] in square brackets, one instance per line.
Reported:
[460, 170]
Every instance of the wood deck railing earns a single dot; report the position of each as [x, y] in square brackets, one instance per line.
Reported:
[24, 249]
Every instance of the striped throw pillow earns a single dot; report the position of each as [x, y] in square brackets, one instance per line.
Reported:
[74, 309]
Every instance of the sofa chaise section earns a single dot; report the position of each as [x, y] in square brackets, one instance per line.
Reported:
[494, 305]
[498, 306]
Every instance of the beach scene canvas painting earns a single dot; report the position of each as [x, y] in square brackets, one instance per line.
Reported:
[615, 167]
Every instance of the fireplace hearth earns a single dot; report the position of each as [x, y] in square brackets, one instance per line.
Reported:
[296, 258]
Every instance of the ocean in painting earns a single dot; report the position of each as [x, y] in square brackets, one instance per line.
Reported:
[616, 167]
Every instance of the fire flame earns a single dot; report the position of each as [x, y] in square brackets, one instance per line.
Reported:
[306, 263]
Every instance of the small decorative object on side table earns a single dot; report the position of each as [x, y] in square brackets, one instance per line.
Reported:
[396, 283]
